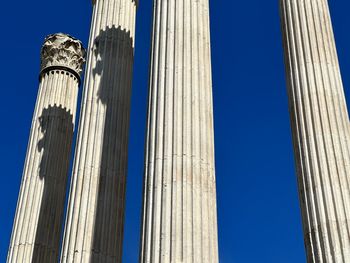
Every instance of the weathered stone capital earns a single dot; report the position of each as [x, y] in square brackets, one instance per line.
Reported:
[62, 51]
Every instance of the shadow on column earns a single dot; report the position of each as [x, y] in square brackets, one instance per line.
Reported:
[56, 125]
[114, 52]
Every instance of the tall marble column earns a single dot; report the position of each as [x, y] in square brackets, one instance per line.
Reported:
[95, 219]
[179, 221]
[39, 216]
[320, 127]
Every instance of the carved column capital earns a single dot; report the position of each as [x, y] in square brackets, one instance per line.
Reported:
[61, 51]
[136, 2]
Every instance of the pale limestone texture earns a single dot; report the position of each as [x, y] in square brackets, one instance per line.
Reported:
[95, 217]
[179, 220]
[39, 216]
[320, 127]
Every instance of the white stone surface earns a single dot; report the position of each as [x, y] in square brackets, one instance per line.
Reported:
[39, 216]
[179, 221]
[320, 127]
[95, 218]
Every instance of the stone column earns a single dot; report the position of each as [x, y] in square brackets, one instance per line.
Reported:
[179, 221]
[39, 216]
[95, 219]
[320, 127]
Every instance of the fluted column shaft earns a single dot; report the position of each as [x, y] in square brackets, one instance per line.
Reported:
[320, 127]
[95, 218]
[38, 221]
[179, 222]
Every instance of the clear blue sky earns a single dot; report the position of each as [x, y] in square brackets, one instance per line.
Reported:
[259, 218]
